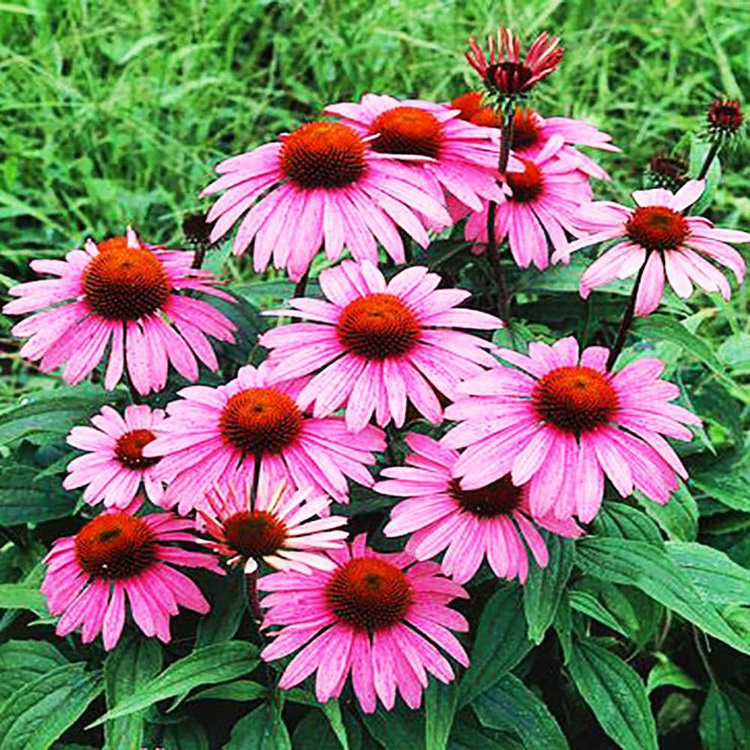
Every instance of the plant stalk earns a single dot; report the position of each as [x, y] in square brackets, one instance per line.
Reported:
[627, 319]
[710, 156]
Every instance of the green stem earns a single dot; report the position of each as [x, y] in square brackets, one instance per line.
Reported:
[627, 319]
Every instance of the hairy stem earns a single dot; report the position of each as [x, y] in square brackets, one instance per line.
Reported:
[506, 136]
[301, 288]
[627, 319]
[710, 156]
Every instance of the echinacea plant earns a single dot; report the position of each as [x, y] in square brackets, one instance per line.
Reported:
[476, 482]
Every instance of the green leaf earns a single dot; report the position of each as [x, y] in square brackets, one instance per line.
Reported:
[724, 719]
[440, 702]
[501, 642]
[653, 571]
[510, 706]
[712, 572]
[24, 497]
[241, 690]
[314, 733]
[22, 662]
[39, 712]
[332, 711]
[563, 625]
[398, 728]
[469, 734]
[133, 662]
[726, 480]
[665, 328]
[615, 693]
[54, 412]
[678, 518]
[187, 734]
[227, 607]
[699, 149]
[666, 672]
[21, 596]
[544, 588]
[261, 729]
[220, 662]
[586, 603]
[626, 522]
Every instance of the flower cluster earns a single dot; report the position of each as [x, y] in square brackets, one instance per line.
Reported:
[506, 448]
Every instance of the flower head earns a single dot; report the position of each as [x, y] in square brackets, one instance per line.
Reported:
[461, 158]
[282, 527]
[213, 435]
[658, 234]
[321, 186]
[126, 292]
[505, 74]
[375, 616]
[546, 192]
[667, 172]
[197, 231]
[562, 422]
[488, 521]
[118, 554]
[114, 466]
[374, 345]
[724, 119]
[473, 108]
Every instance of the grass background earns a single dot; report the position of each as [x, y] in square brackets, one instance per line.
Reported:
[114, 112]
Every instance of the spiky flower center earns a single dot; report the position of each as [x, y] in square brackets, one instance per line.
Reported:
[498, 498]
[575, 399]
[474, 110]
[657, 228]
[115, 546]
[254, 533]
[509, 78]
[378, 326]
[124, 283]
[260, 420]
[526, 185]
[725, 116]
[526, 131]
[323, 155]
[129, 449]
[407, 130]
[369, 593]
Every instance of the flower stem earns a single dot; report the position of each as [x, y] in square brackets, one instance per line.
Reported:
[506, 136]
[200, 254]
[710, 156]
[301, 288]
[627, 320]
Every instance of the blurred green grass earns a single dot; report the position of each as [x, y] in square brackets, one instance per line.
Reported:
[114, 112]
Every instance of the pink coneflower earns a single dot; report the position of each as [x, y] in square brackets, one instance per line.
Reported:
[658, 234]
[282, 527]
[470, 525]
[462, 158]
[118, 553]
[124, 291]
[505, 73]
[562, 423]
[376, 613]
[321, 186]
[376, 345]
[531, 132]
[544, 197]
[114, 466]
[212, 435]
